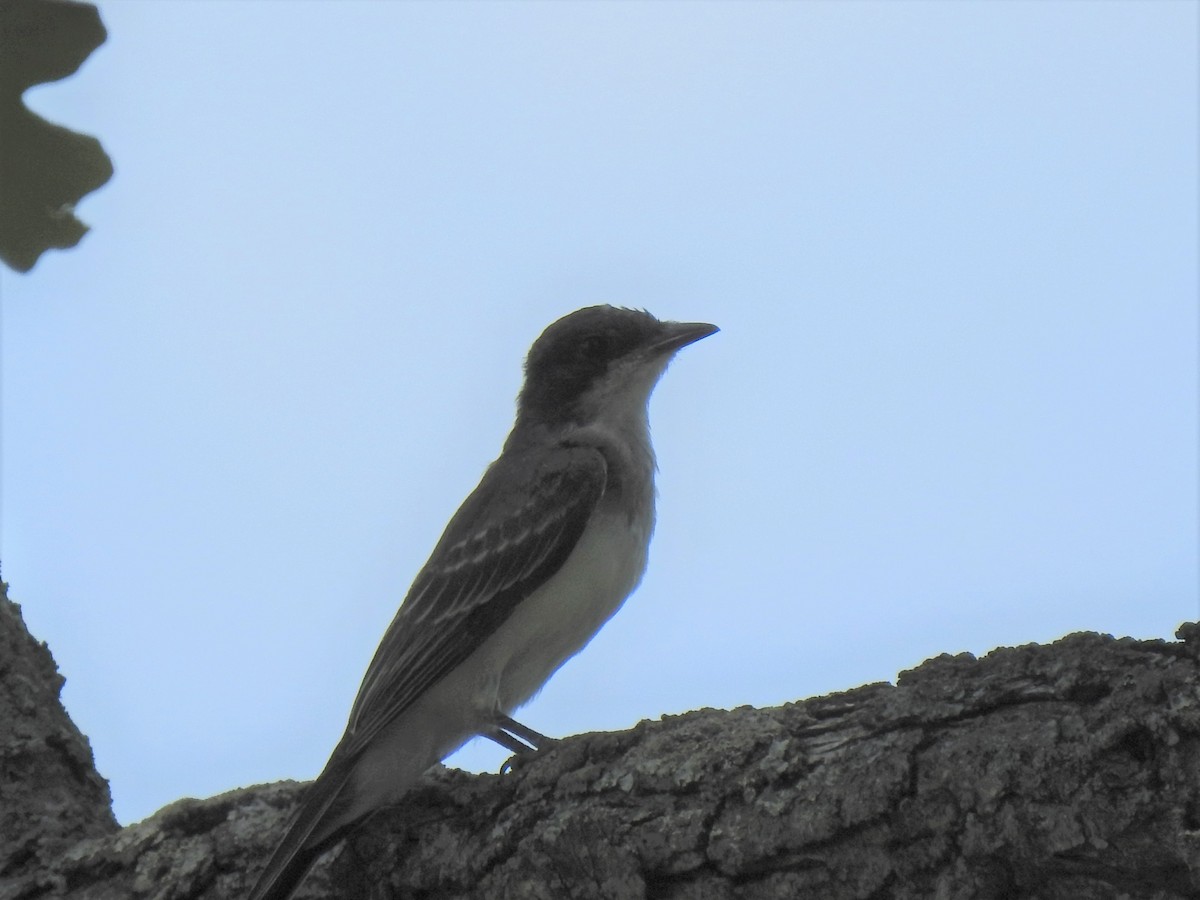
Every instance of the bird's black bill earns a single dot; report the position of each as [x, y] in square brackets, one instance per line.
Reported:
[680, 334]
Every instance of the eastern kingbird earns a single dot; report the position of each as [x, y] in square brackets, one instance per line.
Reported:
[534, 562]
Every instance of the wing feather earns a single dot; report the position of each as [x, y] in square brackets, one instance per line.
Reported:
[514, 532]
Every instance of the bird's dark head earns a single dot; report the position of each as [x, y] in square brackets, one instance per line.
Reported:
[597, 362]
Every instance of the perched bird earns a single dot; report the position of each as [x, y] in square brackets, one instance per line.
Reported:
[535, 561]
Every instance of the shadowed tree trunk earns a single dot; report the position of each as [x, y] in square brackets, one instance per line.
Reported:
[1070, 770]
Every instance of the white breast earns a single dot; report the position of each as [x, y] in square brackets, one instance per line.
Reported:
[559, 618]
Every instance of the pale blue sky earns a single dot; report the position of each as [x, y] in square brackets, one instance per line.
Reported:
[953, 404]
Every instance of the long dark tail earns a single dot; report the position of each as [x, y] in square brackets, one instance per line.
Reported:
[313, 829]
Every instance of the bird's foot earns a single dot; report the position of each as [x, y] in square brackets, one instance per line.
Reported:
[521, 739]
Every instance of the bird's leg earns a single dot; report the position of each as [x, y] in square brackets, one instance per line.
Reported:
[512, 735]
[507, 741]
[534, 739]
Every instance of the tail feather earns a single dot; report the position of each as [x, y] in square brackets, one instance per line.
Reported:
[313, 829]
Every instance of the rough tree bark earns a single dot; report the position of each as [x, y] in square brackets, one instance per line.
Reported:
[1070, 770]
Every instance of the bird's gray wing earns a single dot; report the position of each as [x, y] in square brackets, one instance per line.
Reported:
[513, 533]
